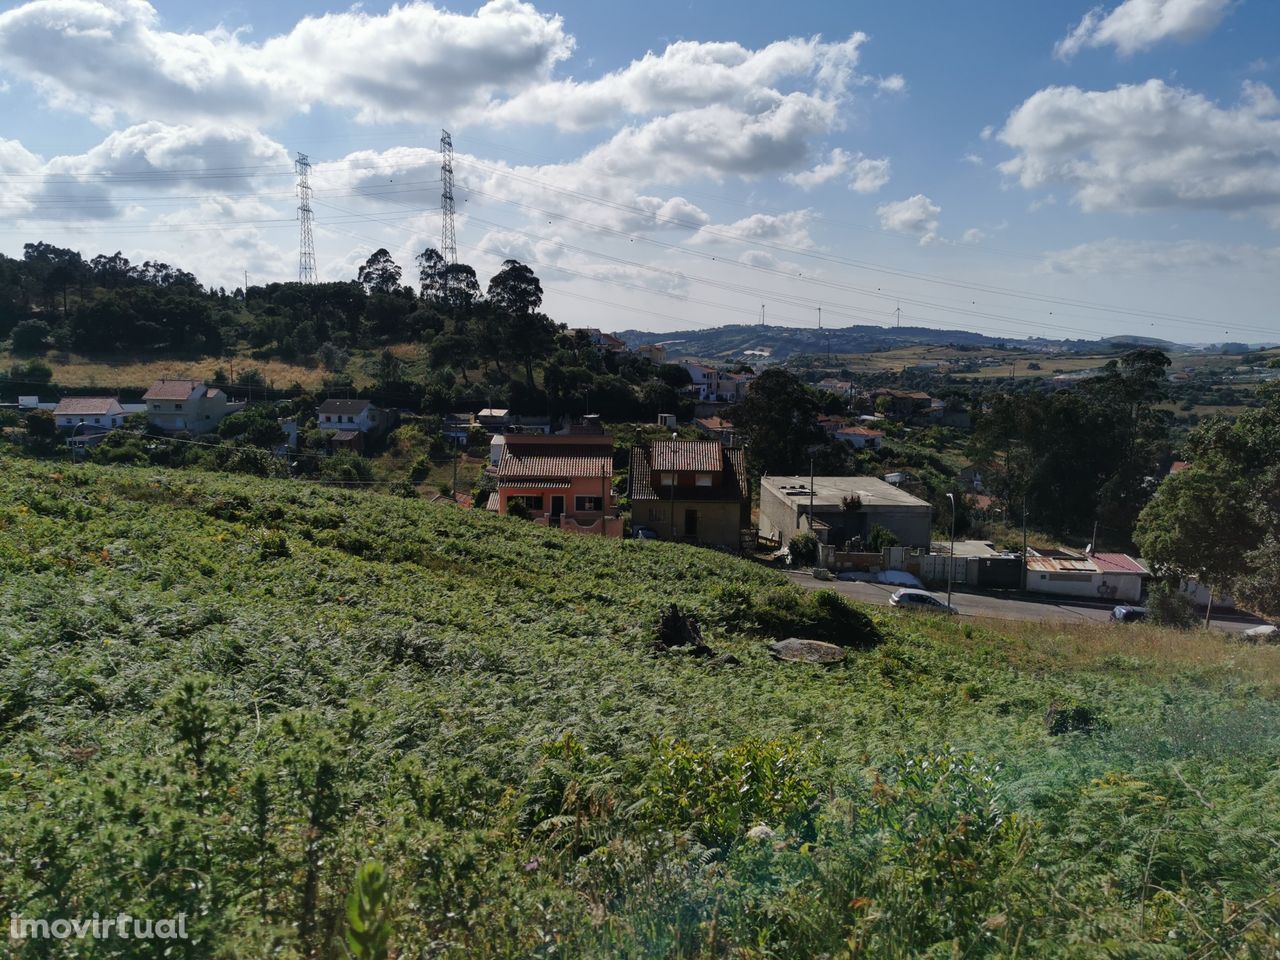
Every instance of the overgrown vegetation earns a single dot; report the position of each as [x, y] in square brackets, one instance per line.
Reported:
[310, 717]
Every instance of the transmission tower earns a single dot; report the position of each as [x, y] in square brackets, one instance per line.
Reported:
[306, 243]
[448, 242]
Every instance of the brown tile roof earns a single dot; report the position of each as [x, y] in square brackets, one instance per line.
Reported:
[733, 485]
[531, 457]
[172, 389]
[86, 406]
[714, 423]
[687, 456]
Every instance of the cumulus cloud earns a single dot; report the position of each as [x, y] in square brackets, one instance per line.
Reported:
[685, 75]
[149, 158]
[916, 215]
[790, 229]
[866, 175]
[1136, 25]
[1148, 256]
[973, 235]
[416, 61]
[1150, 146]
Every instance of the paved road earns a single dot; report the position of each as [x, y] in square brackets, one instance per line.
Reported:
[994, 607]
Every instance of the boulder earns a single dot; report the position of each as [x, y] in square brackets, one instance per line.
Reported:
[806, 651]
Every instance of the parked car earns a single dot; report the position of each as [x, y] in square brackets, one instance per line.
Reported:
[642, 532]
[920, 600]
[1127, 614]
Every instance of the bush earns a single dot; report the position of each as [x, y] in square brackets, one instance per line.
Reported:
[1169, 606]
[30, 336]
[803, 549]
[879, 538]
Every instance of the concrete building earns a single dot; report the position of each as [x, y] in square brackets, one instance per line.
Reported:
[187, 405]
[695, 491]
[844, 509]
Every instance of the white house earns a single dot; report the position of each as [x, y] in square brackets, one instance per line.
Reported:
[98, 414]
[706, 380]
[353, 416]
[1095, 576]
[860, 437]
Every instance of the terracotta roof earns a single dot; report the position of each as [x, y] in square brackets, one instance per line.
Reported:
[1179, 466]
[687, 456]
[346, 408]
[862, 432]
[86, 406]
[1118, 563]
[172, 389]
[531, 457]
[733, 479]
[344, 436]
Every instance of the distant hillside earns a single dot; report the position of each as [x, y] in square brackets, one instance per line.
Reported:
[220, 696]
[738, 341]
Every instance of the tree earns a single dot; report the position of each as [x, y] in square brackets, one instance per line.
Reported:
[463, 289]
[515, 293]
[1219, 520]
[778, 420]
[432, 274]
[379, 274]
[30, 336]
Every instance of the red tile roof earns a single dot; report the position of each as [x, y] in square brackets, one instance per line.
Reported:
[172, 389]
[1178, 466]
[714, 423]
[1117, 563]
[687, 456]
[534, 457]
[733, 484]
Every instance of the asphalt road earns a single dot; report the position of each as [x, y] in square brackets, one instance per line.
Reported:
[1044, 610]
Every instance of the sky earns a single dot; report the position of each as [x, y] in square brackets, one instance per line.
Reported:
[1021, 169]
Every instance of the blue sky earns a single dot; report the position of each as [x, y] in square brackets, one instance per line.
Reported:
[1051, 169]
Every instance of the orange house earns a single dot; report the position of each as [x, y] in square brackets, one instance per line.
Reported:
[563, 481]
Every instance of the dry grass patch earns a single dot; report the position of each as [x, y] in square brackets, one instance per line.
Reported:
[72, 370]
[1149, 651]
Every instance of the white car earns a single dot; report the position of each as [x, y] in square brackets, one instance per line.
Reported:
[920, 600]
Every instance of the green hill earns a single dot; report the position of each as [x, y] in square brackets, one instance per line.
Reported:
[220, 696]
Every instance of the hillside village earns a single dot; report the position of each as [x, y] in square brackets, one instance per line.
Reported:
[513, 480]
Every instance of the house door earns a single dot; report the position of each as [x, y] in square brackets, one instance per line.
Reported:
[557, 507]
[691, 523]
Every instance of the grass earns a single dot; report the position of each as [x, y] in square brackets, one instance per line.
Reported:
[73, 370]
[223, 696]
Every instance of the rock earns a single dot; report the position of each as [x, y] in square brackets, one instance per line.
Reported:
[806, 651]
[724, 660]
[760, 832]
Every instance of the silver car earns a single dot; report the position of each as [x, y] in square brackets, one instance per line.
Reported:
[909, 599]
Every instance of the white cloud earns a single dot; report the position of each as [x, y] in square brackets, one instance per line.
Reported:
[1150, 146]
[1148, 256]
[973, 235]
[973, 159]
[1136, 25]
[416, 61]
[916, 215]
[789, 229]
[866, 175]
[149, 158]
[688, 75]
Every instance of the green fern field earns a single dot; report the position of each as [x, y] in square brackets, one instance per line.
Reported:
[326, 723]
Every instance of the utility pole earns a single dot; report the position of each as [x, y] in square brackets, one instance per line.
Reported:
[448, 241]
[762, 314]
[306, 243]
[897, 312]
[1024, 539]
[951, 556]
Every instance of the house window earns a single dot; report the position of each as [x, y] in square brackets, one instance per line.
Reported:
[177, 406]
[97, 419]
[666, 479]
[588, 504]
[533, 504]
[702, 480]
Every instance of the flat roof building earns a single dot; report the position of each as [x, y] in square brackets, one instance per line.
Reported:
[844, 509]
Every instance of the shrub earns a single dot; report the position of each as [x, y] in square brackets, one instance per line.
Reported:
[803, 549]
[1169, 606]
[879, 538]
